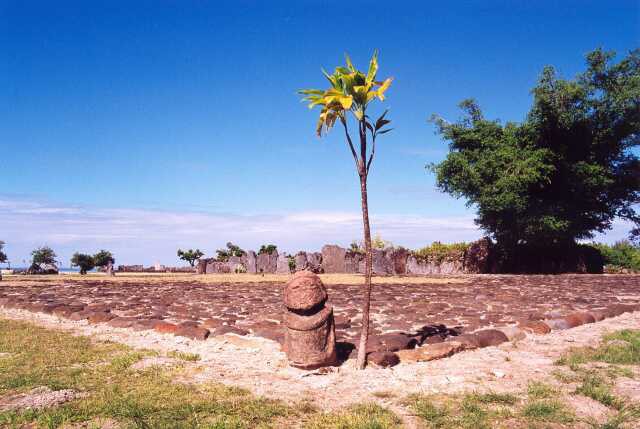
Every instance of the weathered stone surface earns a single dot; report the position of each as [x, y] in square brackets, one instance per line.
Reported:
[490, 337]
[430, 352]
[100, 317]
[301, 261]
[225, 329]
[315, 262]
[557, 324]
[352, 261]
[390, 342]
[309, 339]
[399, 258]
[513, 333]
[383, 359]
[201, 268]
[267, 262]
[282, 264]
[251, 262]
[579, 318]
[304, 291]
[476, 258]
[535, 327]
[381, 262]
[192, 332]
[166, 328]
[333, 259]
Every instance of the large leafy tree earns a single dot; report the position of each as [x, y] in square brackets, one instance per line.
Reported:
[567, 171]
[105, 259]
[191, 256]
[347, 99]
[43, 255]
[83, 261]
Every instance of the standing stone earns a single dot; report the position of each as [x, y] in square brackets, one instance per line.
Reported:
[333, 258]
[399, 258]
[310, 340]
[267, 262]
[381, 262]
[352, 261]
[301, 261]
[282, 264]
[250, 262]
[314, 261]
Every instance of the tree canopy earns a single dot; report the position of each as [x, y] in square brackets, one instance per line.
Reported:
[43, 255]
[83, 261]
[565, 172]
[103, 258]
[3, 256]
[191, 256]
[223, 255]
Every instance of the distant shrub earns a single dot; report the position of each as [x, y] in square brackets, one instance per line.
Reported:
[240, 269]
[438, 252]
[292, 263]
[620, 256]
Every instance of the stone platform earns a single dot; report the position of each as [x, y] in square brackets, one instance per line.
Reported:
[199, 309]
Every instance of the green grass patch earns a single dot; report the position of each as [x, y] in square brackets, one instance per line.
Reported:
[546, 410]
[189, 357]
[140, 399]
[596, 387]
[539, 390]
[364, 416]
[618, 348]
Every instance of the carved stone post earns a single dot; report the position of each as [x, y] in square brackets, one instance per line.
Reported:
[310, 340]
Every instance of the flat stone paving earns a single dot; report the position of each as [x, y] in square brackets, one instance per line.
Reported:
[256, 308]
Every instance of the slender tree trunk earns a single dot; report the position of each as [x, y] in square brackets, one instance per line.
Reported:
[366, 304]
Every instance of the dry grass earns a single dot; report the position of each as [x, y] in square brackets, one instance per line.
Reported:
[348, 279]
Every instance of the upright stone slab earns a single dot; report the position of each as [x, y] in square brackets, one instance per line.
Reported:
[282, 264]
[381, 262]
[310, 339]
[352, 261]
[333, 258]
[399, 258]
[251, 262]
[201, 268]
[267, 262]
[314, 261]
[301, 261]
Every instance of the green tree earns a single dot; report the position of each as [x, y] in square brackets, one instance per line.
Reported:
[83, 261]
[191, 256]
[223, 255]
[267, 248]
[622, 254]
[105, 259]
[348, 98]
[3, 256]
[566, 171]
[43, 255]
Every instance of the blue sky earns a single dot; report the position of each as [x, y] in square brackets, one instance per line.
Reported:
[150, 125]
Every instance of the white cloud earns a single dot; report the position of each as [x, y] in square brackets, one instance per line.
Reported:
[148, 236]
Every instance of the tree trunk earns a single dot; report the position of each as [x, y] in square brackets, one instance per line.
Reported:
[364, 333]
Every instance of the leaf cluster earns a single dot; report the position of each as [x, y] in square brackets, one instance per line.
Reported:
[190, 255]
[223, 255]
[562, 174]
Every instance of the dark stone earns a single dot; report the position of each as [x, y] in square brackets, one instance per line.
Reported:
[383, 359]
[194, 333]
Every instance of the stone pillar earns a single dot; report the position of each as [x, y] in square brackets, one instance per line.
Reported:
[310, 339]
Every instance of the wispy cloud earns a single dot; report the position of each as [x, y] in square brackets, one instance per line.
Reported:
[150, 235]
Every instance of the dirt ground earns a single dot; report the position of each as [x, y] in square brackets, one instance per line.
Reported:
[257, 363]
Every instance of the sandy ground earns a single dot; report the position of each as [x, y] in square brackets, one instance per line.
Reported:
[258, 365]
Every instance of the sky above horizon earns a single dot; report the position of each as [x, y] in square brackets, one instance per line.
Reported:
[142, 127]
